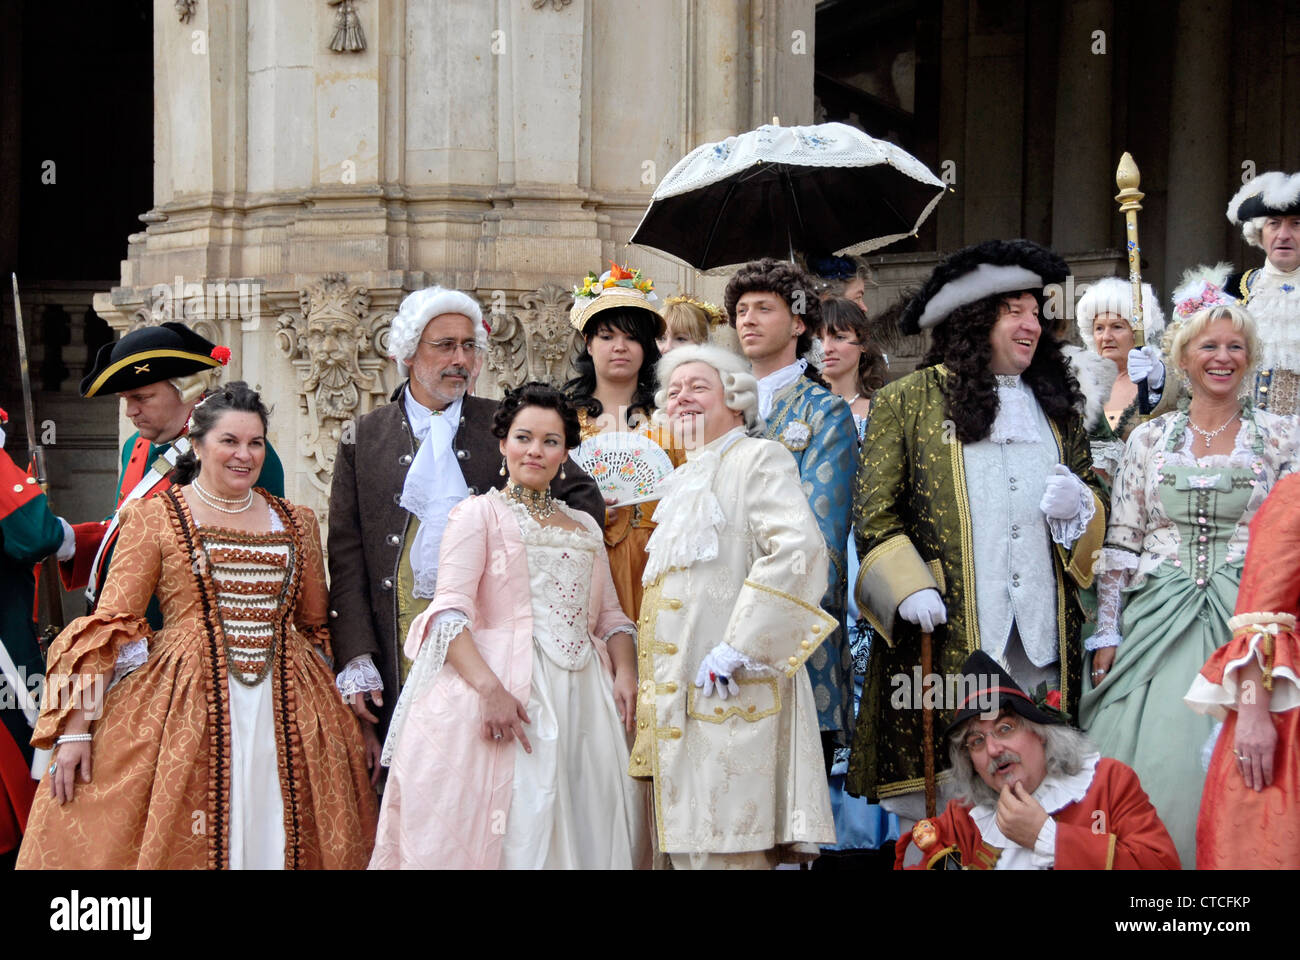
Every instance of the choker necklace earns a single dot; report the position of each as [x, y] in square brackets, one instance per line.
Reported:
[1210, 434]
[539, 503]
[216, 503]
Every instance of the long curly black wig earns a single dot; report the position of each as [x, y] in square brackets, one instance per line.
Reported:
[795, 286]
[581, 390]
[961, 342]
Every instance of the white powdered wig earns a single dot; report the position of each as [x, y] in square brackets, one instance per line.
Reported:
[739, 384]
[418, 309]
[1115, 295]
[984, 281]
[1276, 189]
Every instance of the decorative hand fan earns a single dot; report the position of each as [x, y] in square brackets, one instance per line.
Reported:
[626, 466]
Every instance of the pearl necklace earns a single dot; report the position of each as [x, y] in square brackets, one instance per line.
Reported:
[1210, 434]
[539, 503]
[215, 502]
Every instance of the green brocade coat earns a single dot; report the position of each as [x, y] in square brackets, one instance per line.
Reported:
[912, 520]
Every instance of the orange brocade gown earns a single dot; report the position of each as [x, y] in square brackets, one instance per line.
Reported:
[161, 763]
[1240, 828]
[628, 529]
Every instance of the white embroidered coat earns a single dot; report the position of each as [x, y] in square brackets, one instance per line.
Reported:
[744, 774]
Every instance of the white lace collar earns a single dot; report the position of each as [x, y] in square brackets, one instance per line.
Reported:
[774, 383]
[1015, 422]
[1055, 793]
[688, 515]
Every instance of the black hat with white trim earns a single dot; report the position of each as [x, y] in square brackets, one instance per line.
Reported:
[979, 271]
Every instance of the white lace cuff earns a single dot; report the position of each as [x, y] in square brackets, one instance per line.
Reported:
[1106, 455]
[445, 628]
[68, 548]
[1045, 845]
[1109, 585]
[729, 659]
[625, 628]
[359, 676]
[1066, 531]
[1100, 640]
[131, 657]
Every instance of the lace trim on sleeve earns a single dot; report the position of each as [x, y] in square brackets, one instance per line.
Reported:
[624, 628]
[130, 657]
[359, 676]
[1109, 585]
[1065, 532]
[428, 663]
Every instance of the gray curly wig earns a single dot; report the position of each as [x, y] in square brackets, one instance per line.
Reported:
[739, 385]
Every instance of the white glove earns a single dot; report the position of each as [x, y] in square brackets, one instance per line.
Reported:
[924, 608]
[1145, 364]
[718, 671]
[1061, 494]
[68, 546]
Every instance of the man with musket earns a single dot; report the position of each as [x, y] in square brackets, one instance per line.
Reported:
[1267, 209]
[161, 373]
[976, 510]
[1032, 793]
[29, 532]
[397, 475]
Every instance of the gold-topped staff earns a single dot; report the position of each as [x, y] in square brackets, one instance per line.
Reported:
[1129, 199]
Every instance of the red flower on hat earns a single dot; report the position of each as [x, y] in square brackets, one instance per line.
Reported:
[4, 417]
[1053, 699]
[221, 355]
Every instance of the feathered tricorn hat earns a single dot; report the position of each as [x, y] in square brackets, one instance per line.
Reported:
[150, 355]
[1272, 194]
[979, 271]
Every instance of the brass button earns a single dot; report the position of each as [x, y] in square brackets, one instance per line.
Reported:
[794, 661]
[817, 630]
[674, 604]
[719, 711]
[670, 687]
[752, 708]
[805, 644]
[675, 733]
[670, 648]
[639, 759]
[647, 686]
[643, 724]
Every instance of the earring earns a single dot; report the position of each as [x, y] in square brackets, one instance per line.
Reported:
[503, 466]
[561, 471]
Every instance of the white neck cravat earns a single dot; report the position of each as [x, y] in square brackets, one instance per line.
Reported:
[774, 383]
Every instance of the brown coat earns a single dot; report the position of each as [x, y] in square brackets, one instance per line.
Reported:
[367, 525]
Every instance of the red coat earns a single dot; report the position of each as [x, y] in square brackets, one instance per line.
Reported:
[1128, 835]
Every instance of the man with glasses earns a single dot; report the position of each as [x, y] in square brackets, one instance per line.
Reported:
[397, 475]
[1032, 793]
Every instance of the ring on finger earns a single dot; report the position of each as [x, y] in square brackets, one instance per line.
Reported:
[496, 735]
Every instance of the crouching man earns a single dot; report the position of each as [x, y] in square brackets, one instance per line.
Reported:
[1033, 793]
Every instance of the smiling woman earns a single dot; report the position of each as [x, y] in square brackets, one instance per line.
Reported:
[1185, 493]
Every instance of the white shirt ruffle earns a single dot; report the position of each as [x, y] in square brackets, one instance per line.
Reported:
[774, 383]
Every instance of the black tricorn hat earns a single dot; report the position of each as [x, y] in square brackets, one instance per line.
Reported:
[1271, 194]
[990, 688]
[149, 355]
[979, 271]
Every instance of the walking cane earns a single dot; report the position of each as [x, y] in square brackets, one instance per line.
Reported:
[927, 727]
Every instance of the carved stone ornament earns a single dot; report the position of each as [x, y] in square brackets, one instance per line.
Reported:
[536, 342]
[185, 9]
[555, 4]
[348, 35]
[337, 346]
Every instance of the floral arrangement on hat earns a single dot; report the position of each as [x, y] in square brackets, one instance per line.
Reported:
[616, 276]
[1048, 701]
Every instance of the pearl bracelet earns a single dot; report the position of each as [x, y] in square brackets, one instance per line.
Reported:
[73, 738]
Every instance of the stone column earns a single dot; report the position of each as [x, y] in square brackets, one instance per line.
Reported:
[1083, 180]
[1200, 180]
[994, 127]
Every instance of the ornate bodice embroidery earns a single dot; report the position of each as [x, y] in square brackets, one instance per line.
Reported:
[251, 573]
